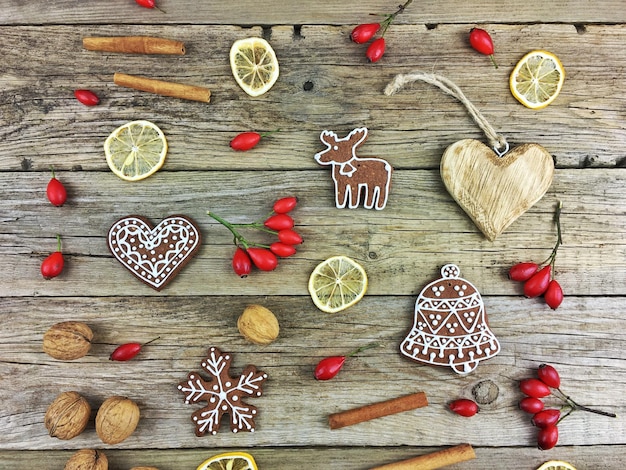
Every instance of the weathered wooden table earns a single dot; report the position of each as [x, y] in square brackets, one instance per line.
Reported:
[325, 83]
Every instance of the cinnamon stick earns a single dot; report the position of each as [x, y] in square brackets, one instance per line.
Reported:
[134, 45]
[439, 459]
[159, 87]
[377, 410]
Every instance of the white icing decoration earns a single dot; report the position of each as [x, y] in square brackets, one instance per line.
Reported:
[133, 240]
[451, 331]
[372, 182]
[223, 395]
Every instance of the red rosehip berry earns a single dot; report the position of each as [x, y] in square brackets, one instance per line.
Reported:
[290, 237]
[538, 283]
[282, 249]
[56, 192]
[263, 258]
[522, 272]
[87, 97]
[463, 407]
[376, 50]
[279, 222]
[52, 266]
[245, 141]
[549, 375]
[481, 41]
[553, 294]
[241, 262]
[126, 352]
[547, 437]
[285, 204]
[329, 367]
[534, 388]
[545, 418]
[531, 405]
[364, 32]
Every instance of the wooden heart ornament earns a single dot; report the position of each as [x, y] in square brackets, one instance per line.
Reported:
[154, 255]
[494, 191]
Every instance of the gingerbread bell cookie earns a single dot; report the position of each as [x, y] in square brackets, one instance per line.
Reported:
[355, 177]
[223, 394]
[154, 255]
[450, 327]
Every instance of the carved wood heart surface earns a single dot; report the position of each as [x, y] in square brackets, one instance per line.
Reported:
[494, 191]
[155, 255]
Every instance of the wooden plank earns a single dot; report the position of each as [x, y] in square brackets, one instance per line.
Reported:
[43, 124]
[248, 12]
[401, 247]
[578, 339]
[281, 458]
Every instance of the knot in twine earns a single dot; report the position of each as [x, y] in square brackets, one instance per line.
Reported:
[497, 141]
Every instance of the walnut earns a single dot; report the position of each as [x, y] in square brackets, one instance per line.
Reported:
[258, 325]
[67, 340]
[67, 416]
[87, 459]
[117, 419]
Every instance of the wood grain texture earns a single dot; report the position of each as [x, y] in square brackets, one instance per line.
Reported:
[249, 12]
[583, 129]
[325, 83]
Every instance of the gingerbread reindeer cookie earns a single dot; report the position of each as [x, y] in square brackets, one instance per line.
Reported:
[369, 177]
[451, 327]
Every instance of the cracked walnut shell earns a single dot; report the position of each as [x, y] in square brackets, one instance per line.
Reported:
[117, 419]
[258, 325]
[67, 416]
[67, 340]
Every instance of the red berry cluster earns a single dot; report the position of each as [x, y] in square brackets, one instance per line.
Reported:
[540, 280]
[265, 257]
[364, 32]
[547, 419]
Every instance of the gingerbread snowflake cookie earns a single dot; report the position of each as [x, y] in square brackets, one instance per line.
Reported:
[223, 394]
[154, 255]
[355, 177]
[451, 327]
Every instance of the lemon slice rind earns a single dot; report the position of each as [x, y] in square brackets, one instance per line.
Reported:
[135, 150]
[254, 65]
[537, 79]
[229, 461]
[556, 465]
[337, 283]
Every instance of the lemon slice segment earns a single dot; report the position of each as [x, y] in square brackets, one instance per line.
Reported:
[135, 150]
[229, 461]
[254, 65]
[537, 79]
[556, 465]
[337, 283]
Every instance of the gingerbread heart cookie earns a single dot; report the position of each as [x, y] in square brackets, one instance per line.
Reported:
[154, 255]
[494, 191]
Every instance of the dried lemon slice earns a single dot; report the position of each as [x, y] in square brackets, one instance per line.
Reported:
[537, 79]
[135, 150]
[337, 283]
[254, 65]
[229, 461]
[556, 465]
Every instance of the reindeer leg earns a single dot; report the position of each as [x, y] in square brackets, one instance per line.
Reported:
[373, 197]
[355, 195]
[341, 195]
